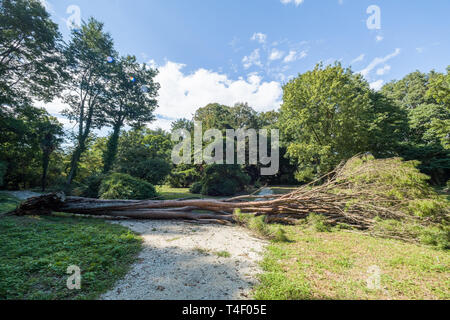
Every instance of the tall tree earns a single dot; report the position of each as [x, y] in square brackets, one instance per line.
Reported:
[424, 97]
[89, 54]
[328, 115]
[50, 134]
[130, 99]
[31, 63]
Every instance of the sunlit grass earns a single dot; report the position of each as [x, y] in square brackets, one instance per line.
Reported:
[36, 251]
[336, 265]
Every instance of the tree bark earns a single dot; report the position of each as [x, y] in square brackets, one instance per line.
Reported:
[45, 162]
[111, 151]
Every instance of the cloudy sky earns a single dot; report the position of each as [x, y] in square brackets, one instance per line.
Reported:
[244, 50]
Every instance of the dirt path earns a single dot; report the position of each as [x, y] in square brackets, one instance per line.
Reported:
[22, 195]
[181, 261]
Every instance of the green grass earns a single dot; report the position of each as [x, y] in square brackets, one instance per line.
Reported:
[336, 265]
[168, 193]
[223, 254]
[7, 203]
[36, 251]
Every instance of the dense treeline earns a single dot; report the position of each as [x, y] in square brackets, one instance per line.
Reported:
[328, 115]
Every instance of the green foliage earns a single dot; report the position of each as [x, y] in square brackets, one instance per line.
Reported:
[436, 236]
[330, 114]
[90, 188]
[196, 188]
[87, 54]
[223, 254]
[128, 100]
[36, 252]
[123, 186]
[145, 154]
[8, 203]
[3, 168]
[425, 98]
[223, 180]
[258, 225]
[28, 147]
[31, 64]
[319, 223]
[183, 178]
[397, 180]
[280, 235]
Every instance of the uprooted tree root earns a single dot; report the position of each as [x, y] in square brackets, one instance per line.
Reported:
[356, 193]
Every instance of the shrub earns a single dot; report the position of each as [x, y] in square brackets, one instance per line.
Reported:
[184, 178]
[223, 180]
[196, 188]
[154, 170]
[123, 186]
[319, 223]
[437, 235]
[90, 187]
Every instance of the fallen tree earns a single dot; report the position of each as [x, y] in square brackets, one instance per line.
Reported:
[356, 193]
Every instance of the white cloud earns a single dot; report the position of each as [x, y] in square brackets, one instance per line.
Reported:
[379, 38]
[384, 70]
[297, 2]
[161, 123]
[294, 55]
[376, 85]
[252, 59]
[260, 37]
[182, 94]
[377, 61]
[420, 50]
[358, 59]
[276, 54]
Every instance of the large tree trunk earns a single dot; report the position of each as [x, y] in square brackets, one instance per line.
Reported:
[45, 162]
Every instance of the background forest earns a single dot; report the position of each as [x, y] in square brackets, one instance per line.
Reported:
[328, 115]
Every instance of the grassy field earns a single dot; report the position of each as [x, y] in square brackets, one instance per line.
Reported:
[337, 265]
[305, 262]
[36, 251]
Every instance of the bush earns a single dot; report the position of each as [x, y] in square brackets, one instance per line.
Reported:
[319, 223]
[90, 187]
[223, 180]
[184, 178]
[123, 186]
[196, 188]
[3, 167]
[154, 170]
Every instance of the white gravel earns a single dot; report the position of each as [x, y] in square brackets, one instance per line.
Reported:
[179, 261]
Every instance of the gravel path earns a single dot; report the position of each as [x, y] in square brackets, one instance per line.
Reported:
[181, 261]
[22, 195]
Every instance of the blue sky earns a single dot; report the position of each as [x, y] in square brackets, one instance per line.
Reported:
[243, 51]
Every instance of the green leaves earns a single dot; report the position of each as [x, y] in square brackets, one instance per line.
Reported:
[328, 115]
[30, 50]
